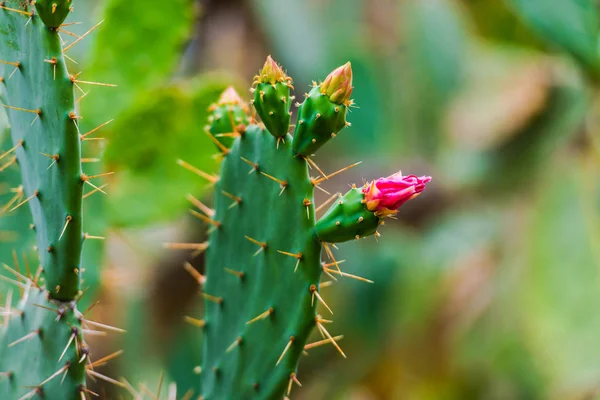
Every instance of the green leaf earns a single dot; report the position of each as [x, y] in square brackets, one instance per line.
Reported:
[162, 126]
[436, 43]
[136, 48]
[571, 25]
[557, 293]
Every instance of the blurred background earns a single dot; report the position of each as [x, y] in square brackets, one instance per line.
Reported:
[488, 285]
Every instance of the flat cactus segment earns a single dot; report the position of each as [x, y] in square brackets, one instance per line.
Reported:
[32, 340]
[272, 103]
[347, 219]
[319, 120]
[227, 114]
[53, 12]
[263, 260]
[39, 101]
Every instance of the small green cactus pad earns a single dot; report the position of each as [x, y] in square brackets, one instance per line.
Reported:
[32, 341]
[272, 103]
[258, 218]
[38, 94]
[53, 12]
[227, 113]
[347, 219]
[319, 120]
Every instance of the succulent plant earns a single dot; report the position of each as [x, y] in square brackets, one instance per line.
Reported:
[263, 256]
[42, 349]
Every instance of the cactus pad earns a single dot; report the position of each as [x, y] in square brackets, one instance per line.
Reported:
[248, 275]
[47, 142]
[32, 341]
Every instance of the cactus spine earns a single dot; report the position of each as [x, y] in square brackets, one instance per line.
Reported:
[42, 349]
[263, 256]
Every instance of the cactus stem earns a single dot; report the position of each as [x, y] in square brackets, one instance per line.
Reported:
[7, 152]
[214, 299]
[98, 375]
[201, 206]
[320, 180]
[237, 342]
[95, 129]
[287, 347]
[330, 338]
[96, 189]
[202, 174]
[239, 274]
[35, 194]
[220, 145]
[201, 279]
[29, 336]
[200, 323]
[263, 315]
[322, 342]
[254, 165]
[315, 292]
[82, 36]
[206, 219]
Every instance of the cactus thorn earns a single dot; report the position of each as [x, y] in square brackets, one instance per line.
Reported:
[287, 347]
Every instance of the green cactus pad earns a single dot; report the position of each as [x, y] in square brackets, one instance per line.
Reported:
[28, 363]
[272, 103]
[347, 219]
[47, 139]
[53, 12]
[226, 114]
[253, 208]
[319, 120]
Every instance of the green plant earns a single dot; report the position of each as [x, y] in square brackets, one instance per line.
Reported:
[263, 256]
[42, 349]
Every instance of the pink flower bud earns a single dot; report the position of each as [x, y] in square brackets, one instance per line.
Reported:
[385, 195]
[338, 84]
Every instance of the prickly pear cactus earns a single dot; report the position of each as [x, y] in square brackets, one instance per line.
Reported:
[263, 256]
[42, 350]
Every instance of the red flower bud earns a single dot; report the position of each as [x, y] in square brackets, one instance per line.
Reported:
[385, 195]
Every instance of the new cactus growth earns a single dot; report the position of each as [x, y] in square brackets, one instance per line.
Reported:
[263, 256]
[42, 351]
